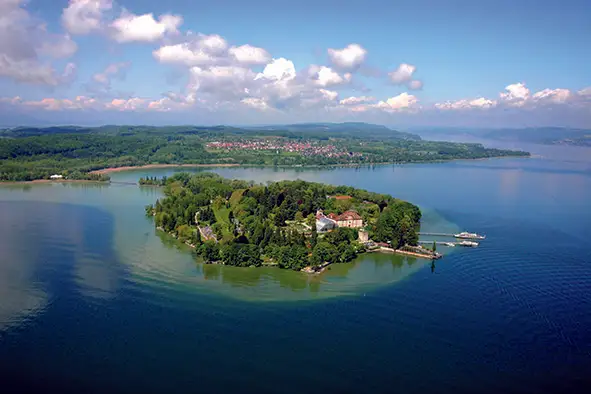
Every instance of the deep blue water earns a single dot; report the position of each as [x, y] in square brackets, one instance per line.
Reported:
[81, 308]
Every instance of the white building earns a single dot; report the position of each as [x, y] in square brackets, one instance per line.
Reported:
[56, 177]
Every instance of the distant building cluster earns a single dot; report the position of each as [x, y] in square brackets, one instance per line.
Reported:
[306, 148]
[350, 219]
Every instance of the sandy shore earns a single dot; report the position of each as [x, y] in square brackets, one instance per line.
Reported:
[149, 166]
[404, 252]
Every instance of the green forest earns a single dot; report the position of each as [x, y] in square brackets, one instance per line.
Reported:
[240, 223]
[37, 153]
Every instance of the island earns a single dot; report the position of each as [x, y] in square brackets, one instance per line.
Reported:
[92, 153]
[296, 225]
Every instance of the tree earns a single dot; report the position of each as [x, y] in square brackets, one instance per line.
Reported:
[434, 246]
[341, 234]
[311, 220]
[324, 252]
[346, 252]
[149, 210]
[241, 255]
[314, 237]
[195, 238]
[210, 251]
[292, 257]
[184, 232]
[299, 217]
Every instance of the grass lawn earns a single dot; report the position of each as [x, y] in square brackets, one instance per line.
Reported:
[236, 196]
[222, 216]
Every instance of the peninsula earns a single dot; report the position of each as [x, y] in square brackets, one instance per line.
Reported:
[290, 224]
[91, 153]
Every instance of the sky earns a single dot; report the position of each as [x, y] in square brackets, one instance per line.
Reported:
[414, 63]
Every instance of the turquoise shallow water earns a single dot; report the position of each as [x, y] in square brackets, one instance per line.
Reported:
[92, 299]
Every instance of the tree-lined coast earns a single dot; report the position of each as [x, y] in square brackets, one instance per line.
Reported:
[242, 223]
[79, 153]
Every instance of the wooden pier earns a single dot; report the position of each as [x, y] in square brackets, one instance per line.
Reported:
[438, 234]
[438, 243]
[465, 243]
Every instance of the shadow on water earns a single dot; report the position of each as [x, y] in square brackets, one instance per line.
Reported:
[51, 250]
[369, 271]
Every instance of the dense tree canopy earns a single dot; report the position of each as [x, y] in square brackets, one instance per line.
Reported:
[248, 224]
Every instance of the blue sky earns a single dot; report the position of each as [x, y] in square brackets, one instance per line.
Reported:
[401, 63]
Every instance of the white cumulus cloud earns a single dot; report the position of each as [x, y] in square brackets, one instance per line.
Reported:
[401, 102]
[329, 95]
[515, 94]
[55, 104]
[357, 100]
[467, 104]
[278, 70]
[85, 16]
[28, 48]
[131, 104]
[256, 103]
[325, 76]
[518, 95]
[556, 96]
[403, 75]
[248, 54]
[348, 58]
[200, 50]
[129, 27]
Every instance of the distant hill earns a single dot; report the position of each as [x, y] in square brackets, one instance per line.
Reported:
[321, 131]
[347, 129]
[35, 131]
[536, 135]
[542, 135]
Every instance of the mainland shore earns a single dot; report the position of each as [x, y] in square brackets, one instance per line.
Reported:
[45, 181]
[111, 170]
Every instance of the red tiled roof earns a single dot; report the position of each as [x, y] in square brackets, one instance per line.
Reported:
[349, 215]
[342, 197]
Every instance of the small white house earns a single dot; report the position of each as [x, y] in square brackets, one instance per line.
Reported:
[56, 177]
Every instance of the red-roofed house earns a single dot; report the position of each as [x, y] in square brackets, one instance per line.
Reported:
[349, 219]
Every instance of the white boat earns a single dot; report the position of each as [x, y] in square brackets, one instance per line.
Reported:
[467, 235]
[469, 244]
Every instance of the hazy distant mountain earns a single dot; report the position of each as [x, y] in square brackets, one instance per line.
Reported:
[537, 135]
[542, 135]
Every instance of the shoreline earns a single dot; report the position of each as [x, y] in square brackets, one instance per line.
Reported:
[47, 181]
[111, 170]
[342, 165]
[403, 252]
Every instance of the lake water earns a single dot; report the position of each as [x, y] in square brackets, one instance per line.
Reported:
[93, 299]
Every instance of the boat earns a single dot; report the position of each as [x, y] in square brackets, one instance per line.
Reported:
[467, 235]
[469, 244]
